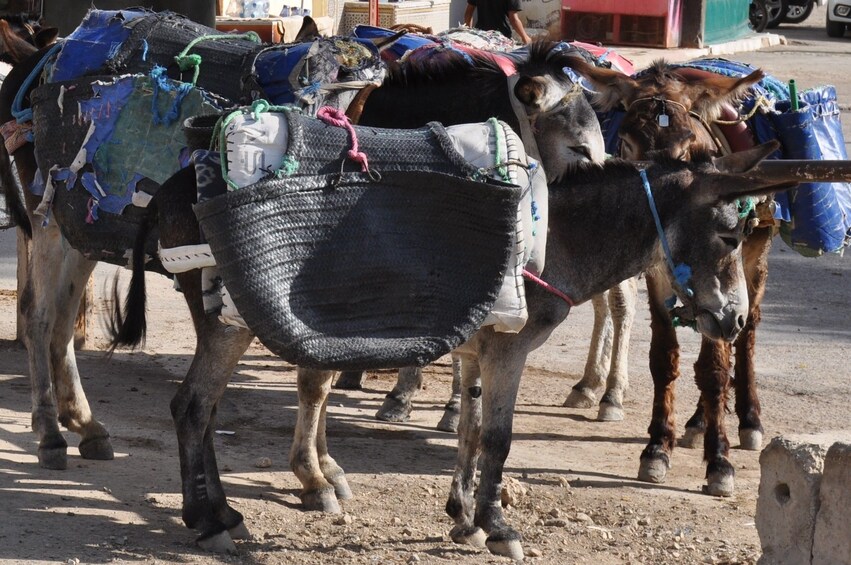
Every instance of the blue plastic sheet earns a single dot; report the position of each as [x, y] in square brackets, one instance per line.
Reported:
[94, 42]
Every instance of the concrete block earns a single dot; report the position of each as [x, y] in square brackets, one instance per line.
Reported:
[787, 503]
[832, 542]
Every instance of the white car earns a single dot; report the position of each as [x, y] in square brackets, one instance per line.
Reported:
[838, 17]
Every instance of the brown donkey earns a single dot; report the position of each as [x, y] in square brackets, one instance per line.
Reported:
[674, 111]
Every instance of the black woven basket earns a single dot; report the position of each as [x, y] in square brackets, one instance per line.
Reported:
[363, 274]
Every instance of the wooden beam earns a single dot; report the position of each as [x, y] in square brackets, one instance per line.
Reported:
[373, 12]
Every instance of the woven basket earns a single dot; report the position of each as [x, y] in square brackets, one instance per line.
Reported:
[363, 274]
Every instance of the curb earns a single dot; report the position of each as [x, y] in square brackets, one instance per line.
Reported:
[643, 57]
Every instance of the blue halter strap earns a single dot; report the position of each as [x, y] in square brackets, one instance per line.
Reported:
[681, 272]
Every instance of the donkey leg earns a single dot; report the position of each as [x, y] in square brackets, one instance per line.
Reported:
[500, 381]
[461, 506]
[349, 380]
[584, 393]
[755, 254]
[218, 350]
[712, 373]
[317, 492]
[332, 472]
[695, 428]
[397, 404]
[622, 299]
[664, 368]
[452, 410]
[44, 297]
[73, 406]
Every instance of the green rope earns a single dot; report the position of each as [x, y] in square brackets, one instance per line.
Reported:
[745, 206]
[185, 61]
[498, 164]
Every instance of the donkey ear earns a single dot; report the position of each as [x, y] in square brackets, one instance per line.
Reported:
[709, 94]
[743, 161]
[613, 87]
[308, 32]
[46, 36]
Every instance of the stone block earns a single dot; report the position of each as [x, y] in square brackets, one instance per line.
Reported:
[832, 542]
[787, 504]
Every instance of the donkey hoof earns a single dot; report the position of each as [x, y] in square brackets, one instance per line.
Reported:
[240, 531]
[341, 487]
[719, 484]
[349, 380]
[692, 438]
[473, 536]
[580, 398]
[55, 458]
[750, 439]
[512, 549]
[97, 448]
[449, 421]
[217, 543]
[322, 500]
[653, 470]
[610, 413]
[394, 410]
[505, 542]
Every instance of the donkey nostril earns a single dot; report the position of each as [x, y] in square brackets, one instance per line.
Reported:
[740, 322]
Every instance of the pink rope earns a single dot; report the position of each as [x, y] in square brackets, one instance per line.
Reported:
[547, 286]
[338, 118]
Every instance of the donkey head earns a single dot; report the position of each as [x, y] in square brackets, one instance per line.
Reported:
[706, 233]
[565, 125]
[666, 110]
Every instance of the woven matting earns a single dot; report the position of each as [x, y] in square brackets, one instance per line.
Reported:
[363, 274]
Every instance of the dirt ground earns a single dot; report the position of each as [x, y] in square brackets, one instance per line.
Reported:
[582, 503]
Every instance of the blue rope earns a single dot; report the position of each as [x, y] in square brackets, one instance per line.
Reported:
[681, 272]
[161, 82]
[21, 114]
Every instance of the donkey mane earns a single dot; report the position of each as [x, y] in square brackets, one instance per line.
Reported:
[660, 72]
[443, 66]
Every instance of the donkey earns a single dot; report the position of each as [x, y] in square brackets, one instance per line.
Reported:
[56, 281]
[604, 227]
[415, 94]
[690, 102]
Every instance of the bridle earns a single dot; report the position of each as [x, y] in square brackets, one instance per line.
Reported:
[662, 118]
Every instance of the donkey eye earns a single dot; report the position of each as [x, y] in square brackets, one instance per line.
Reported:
[729, 241]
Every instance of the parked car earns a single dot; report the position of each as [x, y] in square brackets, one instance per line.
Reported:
[838, 17]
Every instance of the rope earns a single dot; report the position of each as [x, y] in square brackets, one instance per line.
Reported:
[497, 154]
[336, 117]
[547, 286]
[21, 114]
[761, 102]
[681, 272]
[186, 61]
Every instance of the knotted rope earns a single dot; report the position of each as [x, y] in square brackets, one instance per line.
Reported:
[338, 118]
[186, 61]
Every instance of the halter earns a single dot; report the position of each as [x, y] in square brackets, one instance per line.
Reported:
[663, 119]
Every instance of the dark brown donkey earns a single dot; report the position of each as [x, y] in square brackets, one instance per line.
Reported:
[672, 111]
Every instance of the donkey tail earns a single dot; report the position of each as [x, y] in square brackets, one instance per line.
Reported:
[127, 327]
[9, 187]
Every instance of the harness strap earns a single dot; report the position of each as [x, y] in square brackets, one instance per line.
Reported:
[681, 272]
[20, 113]
[547, 286]
[357, 105]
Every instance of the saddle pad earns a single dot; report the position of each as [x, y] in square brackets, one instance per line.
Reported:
[354, 270]
[234, 66]
[108, 142]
